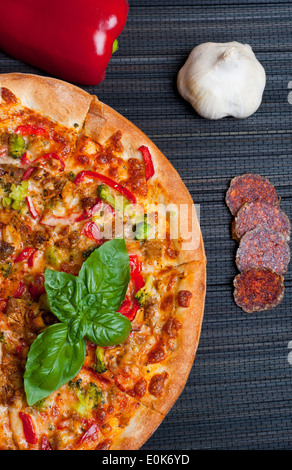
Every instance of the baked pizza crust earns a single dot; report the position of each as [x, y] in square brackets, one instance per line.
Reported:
[69, 105]
[139, 430]
[61, 101]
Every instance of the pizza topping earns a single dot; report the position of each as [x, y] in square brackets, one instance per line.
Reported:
[157, 383]
[37, 286]
[184, 298]
[88, 398]
[31, 207]
[104, 445]
[28, 428]
[31, 130]
[118, 203]
[145, 293]
[99, 365]
[149, 168]
[139, 389]
[45, 445]
[24, 255]
[16, 146]
[49, 157]
[28, 173]
[91, 230]
[8, 96]
[6, 249]
[172, 327]
[157, 354]
[89, 434]
[86, 305]
[108, 181]
[48, 218]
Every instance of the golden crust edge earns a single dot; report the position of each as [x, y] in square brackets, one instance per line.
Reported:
[61, 101]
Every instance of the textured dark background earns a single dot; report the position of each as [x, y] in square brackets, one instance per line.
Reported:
[238, 395]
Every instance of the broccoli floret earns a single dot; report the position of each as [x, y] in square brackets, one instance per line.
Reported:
[88, 398]
[16, 196]
[16, 145]
[119, 203]
[99, 365]
[144, 294]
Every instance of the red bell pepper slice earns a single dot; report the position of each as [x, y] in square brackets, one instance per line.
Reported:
[89, 434]
[3, 151]
[24, 255]
[45, 445]
[50, 156]
[24, 160]
[92, 231]
[130, 307]
[106, 180]
[28, 428]
[30, 130]
[149, 167]
[27, 174]
[37, 287]
[19, 291]
[100, 206]
[135, 264]
[72, 40]
[52, 220]
[31, 207]
[97, 207]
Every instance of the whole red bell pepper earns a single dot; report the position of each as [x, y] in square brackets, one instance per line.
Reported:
[70, 39]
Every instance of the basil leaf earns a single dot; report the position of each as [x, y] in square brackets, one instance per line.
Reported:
[64, 294]
[90, 305]
[107, 271]
[107, 329]
[76, 329]
[52, 361]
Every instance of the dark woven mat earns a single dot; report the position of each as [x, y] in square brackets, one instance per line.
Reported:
[238, 395]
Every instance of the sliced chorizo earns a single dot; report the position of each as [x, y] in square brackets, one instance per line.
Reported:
[260, 214]
[258, 289]
[247, 188]
[263, 248]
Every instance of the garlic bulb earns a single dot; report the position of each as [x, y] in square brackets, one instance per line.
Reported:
[222, 79]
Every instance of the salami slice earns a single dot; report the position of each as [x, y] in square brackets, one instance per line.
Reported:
[247, 188]
[263, 248]
[258, 289]
[260, 214]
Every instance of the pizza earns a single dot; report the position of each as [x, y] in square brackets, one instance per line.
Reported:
[102, 273]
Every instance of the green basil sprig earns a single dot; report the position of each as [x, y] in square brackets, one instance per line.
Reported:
[86, 306]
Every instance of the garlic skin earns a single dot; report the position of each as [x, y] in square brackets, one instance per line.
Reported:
[222, 79]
